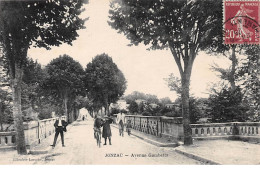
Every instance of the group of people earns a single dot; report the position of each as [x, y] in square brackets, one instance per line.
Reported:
[60, 127]
[105, 123]
[121, 121]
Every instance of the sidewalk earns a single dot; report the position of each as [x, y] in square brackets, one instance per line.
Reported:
[44, 147]
[224, 152]
[35, 153]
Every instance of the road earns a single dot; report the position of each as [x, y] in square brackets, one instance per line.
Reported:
[81, 149]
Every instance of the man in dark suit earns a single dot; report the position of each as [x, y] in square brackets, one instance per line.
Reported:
[60, 126]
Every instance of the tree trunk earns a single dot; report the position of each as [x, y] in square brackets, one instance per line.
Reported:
[77, 113]
[66, 107]
[108, 109]
[17, 111]
[2, 128]
[185, 72]
[74, 114]
[233, 69]
[185, 109]
[105, 110]
[1, 116]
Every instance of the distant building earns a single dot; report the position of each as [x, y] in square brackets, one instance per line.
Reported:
[120, 104]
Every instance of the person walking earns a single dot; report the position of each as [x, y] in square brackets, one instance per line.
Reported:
[98, 123]
[121, 121]
[60, 127]
[128, 127]
[106, 133]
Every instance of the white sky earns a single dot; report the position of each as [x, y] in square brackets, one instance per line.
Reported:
[144, 70]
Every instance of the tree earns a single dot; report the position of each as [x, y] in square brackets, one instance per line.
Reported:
[34, 96]
[165, 100]
[5, 108]
[152, 98]
[134, 96]
[33, 75]
[195, 113]
[174, 83]
[249, 76]
[133, 107]
[141, 107]
[38, 23]
[226, 106]
[229, 74]
[5, 96]
[65, 80]
[184, 26]
[105, 83]
[114, 111]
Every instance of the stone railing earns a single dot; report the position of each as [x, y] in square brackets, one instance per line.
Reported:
[173, 127]
[226, 129]
[157, 125]
[7, 139]
[35, 132]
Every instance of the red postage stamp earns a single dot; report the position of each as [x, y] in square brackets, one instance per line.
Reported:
[241, 21]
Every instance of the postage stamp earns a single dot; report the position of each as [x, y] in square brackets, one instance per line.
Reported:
[241, 21]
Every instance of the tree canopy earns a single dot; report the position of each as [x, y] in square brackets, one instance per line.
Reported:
[249, 74]
[133, 107]
[105, 83]
[37, 23]
[135, 95]
[183, 26]
[65, 79]
[227, 106]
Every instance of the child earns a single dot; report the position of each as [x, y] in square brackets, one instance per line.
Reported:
[128, 127]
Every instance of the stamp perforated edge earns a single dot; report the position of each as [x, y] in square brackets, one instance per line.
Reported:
[224, 16]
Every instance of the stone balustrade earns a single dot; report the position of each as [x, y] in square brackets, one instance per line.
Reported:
[226, 129]
[173, 127]
[7, 139]
[157, 125]
[35, 132]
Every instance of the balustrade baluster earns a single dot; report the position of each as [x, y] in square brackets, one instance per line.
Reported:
[140, 124]
[147, 127]
[157, 128]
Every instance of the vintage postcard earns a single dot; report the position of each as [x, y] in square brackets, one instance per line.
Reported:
[129, 82]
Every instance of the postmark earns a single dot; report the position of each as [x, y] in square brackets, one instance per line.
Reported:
[241, 21]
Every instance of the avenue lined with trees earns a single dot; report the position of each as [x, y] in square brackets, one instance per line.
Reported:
[63, 86]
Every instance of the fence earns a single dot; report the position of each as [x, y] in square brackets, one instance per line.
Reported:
[225, 129]
[173, 127]
[34, 131]
[157, 125]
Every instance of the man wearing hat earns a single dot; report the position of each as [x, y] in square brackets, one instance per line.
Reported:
[107, 130]
[60, 126]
